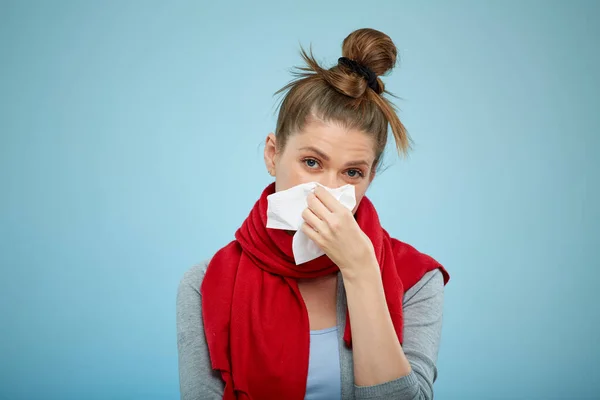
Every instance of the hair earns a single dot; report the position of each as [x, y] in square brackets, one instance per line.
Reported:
[341, 95]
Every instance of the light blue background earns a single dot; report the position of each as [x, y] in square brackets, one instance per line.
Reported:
[130, 149]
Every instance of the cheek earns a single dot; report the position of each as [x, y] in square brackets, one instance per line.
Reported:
[290, 174]
[360, 193]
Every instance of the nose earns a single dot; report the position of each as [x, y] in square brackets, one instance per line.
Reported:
[331, 179]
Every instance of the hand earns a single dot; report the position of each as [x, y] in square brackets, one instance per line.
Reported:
[333, 228]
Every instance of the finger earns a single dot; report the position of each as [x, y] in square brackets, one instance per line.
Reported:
[317, 207]
[315, 222]
[310, 233]
[328, 200]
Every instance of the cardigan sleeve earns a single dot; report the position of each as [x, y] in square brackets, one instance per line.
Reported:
[197, 379]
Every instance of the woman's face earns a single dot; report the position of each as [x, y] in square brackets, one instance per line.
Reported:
[324, 153]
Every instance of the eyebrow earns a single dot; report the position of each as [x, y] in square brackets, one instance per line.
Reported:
[326, 157]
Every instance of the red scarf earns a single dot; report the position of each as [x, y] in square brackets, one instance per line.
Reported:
[255, 319]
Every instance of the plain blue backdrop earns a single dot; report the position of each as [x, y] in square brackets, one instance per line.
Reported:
[130, 149]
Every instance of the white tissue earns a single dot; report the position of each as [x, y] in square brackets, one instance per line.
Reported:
[285, 209]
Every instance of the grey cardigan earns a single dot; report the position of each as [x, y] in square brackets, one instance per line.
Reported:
[422, 310]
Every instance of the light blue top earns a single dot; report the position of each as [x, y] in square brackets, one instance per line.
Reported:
[324, 376]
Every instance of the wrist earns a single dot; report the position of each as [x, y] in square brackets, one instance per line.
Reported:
[362, 271]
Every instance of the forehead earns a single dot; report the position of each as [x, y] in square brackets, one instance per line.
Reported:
[334, 140]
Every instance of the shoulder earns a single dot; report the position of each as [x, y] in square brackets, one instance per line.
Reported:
[431, 285]
[414, 266]
[192, 278]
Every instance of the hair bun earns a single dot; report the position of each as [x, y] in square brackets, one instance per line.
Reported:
[371, 48]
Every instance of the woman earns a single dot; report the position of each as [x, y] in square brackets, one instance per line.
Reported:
[361, 321]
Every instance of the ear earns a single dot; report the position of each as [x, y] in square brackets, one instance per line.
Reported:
[270, 153]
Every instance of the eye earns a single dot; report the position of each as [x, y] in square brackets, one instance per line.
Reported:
[355, 173]
[311, 163]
